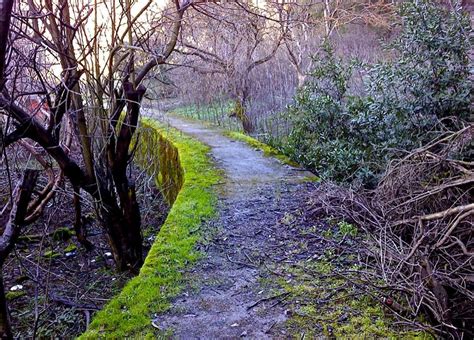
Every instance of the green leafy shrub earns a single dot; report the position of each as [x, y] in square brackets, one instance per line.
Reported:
[421, 88]
[346, 228]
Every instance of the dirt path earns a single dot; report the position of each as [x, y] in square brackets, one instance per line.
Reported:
[244, 166]
[228, 295]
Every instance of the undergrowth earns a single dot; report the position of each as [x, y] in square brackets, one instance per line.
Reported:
[325, 299]
[327, 305]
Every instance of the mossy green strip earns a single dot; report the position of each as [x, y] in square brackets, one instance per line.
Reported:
[267, 149]
[130, 313]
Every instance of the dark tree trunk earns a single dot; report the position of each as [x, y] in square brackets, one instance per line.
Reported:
[106, 182]
[5, 329]
[123, 220]
[79, 227]
[5, 15]
[123, 226]
[9, 233]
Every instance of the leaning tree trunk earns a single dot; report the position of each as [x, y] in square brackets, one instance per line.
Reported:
[241, 114]
[10, 228]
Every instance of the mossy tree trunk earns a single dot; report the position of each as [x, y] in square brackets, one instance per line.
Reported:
[242, 99]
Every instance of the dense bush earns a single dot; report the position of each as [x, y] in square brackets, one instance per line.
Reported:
[422, 88]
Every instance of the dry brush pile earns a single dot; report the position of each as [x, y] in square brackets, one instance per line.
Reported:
[418, 253]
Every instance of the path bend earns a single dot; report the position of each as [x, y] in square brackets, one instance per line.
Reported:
[225, 297]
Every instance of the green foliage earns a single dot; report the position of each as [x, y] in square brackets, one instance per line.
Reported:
[322, 122]
[347, 229]
[130, 313]
[433, 66]
[347, 136]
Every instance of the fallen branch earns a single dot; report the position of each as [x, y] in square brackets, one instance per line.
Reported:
[267, 299]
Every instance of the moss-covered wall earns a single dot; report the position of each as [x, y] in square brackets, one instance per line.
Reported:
[130, 313]
[160, 158]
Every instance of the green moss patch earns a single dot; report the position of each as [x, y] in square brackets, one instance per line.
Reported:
[50, 254]
[63, 234]
[70, 248]
[130, 313]
[10, 296]
[267, 149]
[160, 158]
[320, 302]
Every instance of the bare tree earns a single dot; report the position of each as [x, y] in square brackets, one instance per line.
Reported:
[301, 34]
[104, 110]
[304, 30]
[231, 40]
